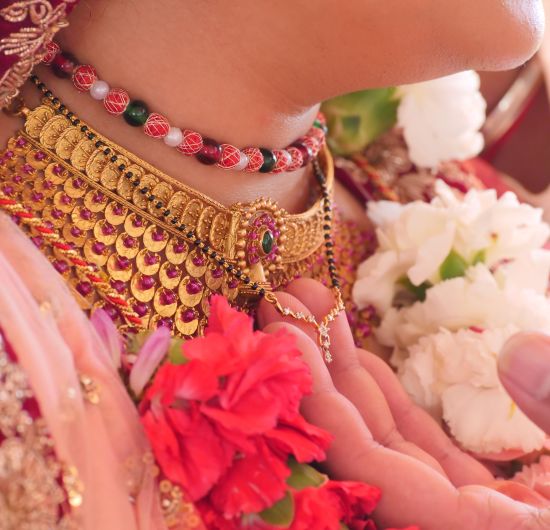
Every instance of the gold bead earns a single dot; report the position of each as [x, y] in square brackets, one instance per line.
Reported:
[241, 254]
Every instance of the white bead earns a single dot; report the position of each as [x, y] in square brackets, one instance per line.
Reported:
[99, 90]
[174, 137]
[243, 162]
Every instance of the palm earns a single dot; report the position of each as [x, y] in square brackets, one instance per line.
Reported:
[383, 439]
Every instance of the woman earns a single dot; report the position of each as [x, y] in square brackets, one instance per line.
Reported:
[254, 75]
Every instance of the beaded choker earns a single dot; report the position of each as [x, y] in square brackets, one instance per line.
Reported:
[145, 247]
[117, 102]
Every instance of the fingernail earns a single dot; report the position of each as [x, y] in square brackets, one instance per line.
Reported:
[524, 362]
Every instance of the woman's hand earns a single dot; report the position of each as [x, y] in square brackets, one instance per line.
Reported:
[383, 439]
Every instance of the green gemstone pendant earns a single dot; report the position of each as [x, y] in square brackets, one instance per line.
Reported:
[267, 241]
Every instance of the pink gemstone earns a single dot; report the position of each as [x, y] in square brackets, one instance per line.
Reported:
[253, 259]
[116, 101]
[140, 309]
[52, 49]
[123, 263]
[166, 323]
[112, 311]
[233, 284]
[118, 210]
[128, 241]
[75, 231]
[194, 286]
[253, 235]
[47, 184]
[137, 222]
[84, 288]
[158, 235]
[61, 266]
[188, 316]
[57, 214]
[180, 248]
[156, 126]
[167, 298]
[38, 240]
[57, 170]
[8, 189]
[98, 197]
[231, 156]
[118, 285]
[198, 261]
[283, 160]
[146, 282]
[98, 247]
[85, 214]
[27, 168]
[84, 77]
[36, 196]
[21, 142]
[276, 233]
[39, 156]
[11, 154]
[78, 183]
[217, 273]
[17, 179]
[172, 273]
[191, 144]
[48, 224]
[65, 199]
[108, 229]
[151, 259]
[255, 159]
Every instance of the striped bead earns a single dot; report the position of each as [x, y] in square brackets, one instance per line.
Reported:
[255, 159]
[84, 77]
[116, 101]
[283, 160]
[191, 144]
[231, 156]
[156, 126]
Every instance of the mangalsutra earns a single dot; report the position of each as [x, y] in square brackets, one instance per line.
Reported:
[207, 151]
[135, 201]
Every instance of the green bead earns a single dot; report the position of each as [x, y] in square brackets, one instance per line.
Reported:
[270, 160]
[267, 241]
[136, 113]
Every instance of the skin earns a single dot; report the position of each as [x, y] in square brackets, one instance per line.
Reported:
[253, 73]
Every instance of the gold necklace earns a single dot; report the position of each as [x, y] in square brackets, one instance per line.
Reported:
[99, 185]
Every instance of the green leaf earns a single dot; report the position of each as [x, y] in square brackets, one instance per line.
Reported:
[454, 266]
[418, 291]
[355, 120]
[304, 476]
[175, 353]
[281, 513]
[480, 257]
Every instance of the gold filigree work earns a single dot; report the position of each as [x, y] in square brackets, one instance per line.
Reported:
[28, 43]
[31, 495]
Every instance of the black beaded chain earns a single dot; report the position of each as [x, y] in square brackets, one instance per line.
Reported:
[188, 234]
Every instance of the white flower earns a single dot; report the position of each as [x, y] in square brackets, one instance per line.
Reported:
[441, 119]
[416, 239]
[454, 376]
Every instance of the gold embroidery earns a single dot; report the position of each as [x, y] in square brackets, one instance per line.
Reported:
[90, 389]
[28, 42]
[31, 497]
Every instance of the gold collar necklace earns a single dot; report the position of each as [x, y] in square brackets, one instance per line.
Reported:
[121, 212]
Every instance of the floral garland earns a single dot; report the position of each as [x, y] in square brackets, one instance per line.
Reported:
[222, 415]
[452, 280]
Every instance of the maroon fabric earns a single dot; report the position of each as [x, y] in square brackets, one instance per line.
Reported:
[26, 26]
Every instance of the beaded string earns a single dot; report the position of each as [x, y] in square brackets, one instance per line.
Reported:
[322, 328]
[188, 142]
[102, 286]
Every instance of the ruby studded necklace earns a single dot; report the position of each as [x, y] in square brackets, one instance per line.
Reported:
[117, 102]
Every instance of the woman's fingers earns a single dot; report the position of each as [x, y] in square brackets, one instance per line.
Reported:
[524, 369]
[419, 427]
[347, 374]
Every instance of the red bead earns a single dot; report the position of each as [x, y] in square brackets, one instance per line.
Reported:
[192, 143]
[84, 77]
[52, 49]
[283, 160]
[116, 101]
[210, 153]
[296, 159]
[316, 133]
[305, 151]
[63, 65]
[255, 159]
[231, 156]
[312, 144]
[156, 126]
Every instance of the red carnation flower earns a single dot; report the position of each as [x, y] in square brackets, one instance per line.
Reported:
[316, 508]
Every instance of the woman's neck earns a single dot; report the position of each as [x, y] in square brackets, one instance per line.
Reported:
[180, 73]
